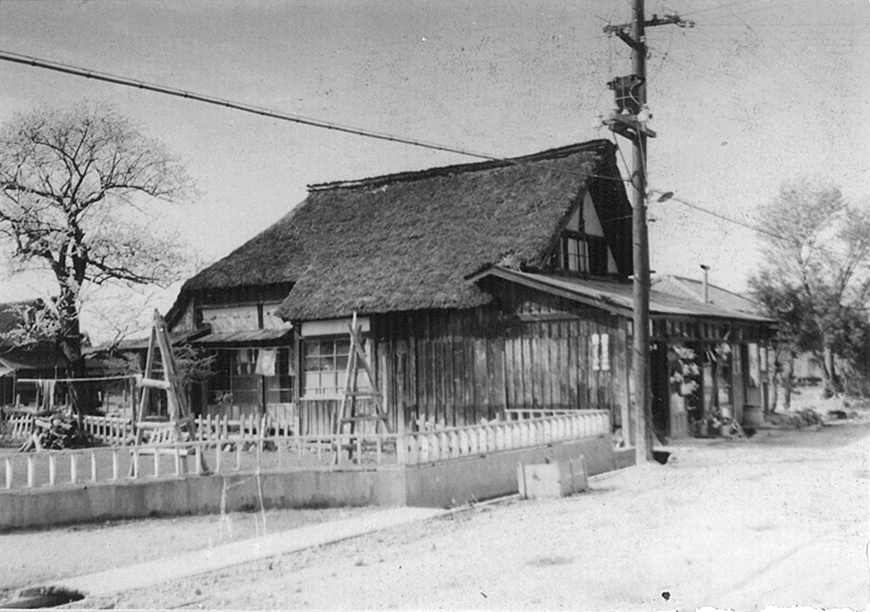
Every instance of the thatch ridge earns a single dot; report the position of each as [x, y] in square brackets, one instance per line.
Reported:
[416, 175]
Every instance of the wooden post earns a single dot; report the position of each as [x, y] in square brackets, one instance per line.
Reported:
[31, 471]
[73, 468]
[115, 463]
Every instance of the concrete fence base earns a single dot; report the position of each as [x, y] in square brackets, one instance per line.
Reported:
[442, 484]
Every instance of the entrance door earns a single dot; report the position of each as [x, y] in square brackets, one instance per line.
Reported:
[660, 391]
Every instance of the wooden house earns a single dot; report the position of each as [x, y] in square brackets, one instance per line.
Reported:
[479, 288]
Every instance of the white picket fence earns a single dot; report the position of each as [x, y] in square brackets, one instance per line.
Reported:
[170, 459]
[458, 442]
[250, 445]
[115, 431]
[119, 431]
[19, 425]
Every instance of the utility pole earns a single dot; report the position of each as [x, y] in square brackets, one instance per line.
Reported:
[630, 122]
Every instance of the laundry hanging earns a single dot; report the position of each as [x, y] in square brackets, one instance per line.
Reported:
[266, 362]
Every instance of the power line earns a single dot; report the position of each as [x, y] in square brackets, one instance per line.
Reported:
[822, 248]
[247, 108]
[720, 6]
[263, 112]
[755, 228]
[673, 198]
[733, 14]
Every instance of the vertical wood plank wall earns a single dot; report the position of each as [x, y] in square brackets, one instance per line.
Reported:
[528, 350]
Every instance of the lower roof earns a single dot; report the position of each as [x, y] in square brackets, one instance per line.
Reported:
[617, 297]
[19, 360]
[248, 337]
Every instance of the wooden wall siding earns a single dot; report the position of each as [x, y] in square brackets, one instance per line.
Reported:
[527, 350]
[231, 318]
[187, 321]
[317, 417]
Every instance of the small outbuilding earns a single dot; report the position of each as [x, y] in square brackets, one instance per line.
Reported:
[39, 363]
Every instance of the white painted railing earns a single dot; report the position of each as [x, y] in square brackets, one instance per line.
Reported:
[248, 450]
[221, 427]
[457, 442]
[19, 425]
[119, 431]
[110, 430]
[225, 456]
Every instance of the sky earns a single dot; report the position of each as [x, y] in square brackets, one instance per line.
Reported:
[759, 92]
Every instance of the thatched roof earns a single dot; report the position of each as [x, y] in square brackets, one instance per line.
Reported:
[409, 241]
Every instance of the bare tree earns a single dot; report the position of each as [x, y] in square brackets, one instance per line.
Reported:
[74, 187]
[816, 273]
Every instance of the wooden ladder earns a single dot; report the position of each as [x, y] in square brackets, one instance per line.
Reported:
[358, 406]
[181, 427]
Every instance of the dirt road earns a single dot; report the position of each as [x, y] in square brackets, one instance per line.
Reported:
[780, 519]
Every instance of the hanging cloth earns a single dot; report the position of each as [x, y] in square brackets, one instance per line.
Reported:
[266, 362]
[46, 394]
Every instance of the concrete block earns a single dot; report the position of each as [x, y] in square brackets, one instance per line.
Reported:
[552, 480]
[753, 416]
[624, 457]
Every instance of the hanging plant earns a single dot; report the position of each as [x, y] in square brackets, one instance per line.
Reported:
[723, 352]
[684, 371]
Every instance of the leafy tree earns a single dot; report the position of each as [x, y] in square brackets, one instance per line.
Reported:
[815, 278]
[75, 186]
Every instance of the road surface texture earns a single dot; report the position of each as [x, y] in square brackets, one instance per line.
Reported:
[777, 520]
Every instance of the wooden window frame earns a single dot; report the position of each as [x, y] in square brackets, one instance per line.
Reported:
[338, 371]
[236, 369]
[285, 377]
[590, 256]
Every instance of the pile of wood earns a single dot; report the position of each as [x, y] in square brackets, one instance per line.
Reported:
[57, 431]
[806, 418]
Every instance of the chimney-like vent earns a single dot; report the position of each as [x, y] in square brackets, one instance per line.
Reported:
[706, 270]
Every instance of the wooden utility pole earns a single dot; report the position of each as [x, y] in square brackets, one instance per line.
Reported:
[630, 122]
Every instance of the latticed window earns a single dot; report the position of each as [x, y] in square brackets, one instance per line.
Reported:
[279, 385]
[580, 252]
[325, 367]
[572, 255]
